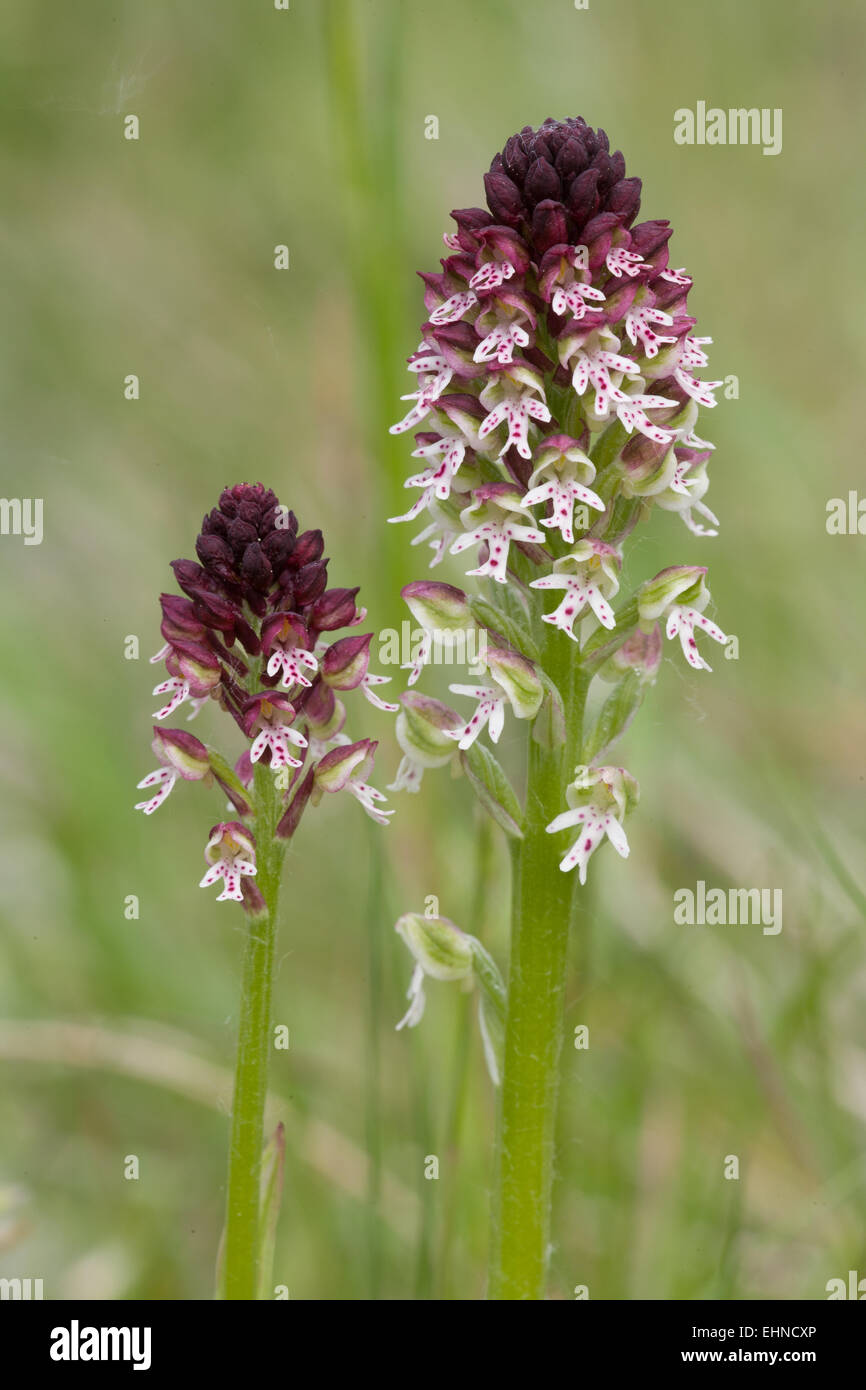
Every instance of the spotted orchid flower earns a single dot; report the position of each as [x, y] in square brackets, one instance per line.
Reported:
[598, 799]
[231, 854]
[495, 519]
[181, 756]
[561, 479]
[589, 577]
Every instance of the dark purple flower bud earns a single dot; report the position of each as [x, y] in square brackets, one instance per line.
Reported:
[318, 706]
[624, 200]
[216, 555]
[583, 200]
[542, 183]
[647, 237]
[308, 547]
[503, 199]
[310, 583]
[549, 225]
[189, 575]
[336, 608]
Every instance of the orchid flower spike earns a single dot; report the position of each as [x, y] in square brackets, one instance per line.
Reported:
[558, 388]
[252, 634]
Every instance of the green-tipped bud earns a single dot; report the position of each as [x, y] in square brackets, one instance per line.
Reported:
[421, 729]
[443, 951]
[678, 584]
[519, 679]
[438, 607]
[350, 761]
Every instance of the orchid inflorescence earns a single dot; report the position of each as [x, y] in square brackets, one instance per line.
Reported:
[252, 632]
[557, 400]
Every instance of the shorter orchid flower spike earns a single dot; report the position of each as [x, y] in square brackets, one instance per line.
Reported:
[231, 854]
[599, 799]
[589, 577]
[255, 613]
[181, 755]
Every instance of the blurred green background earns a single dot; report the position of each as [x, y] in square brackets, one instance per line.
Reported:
[155, 257]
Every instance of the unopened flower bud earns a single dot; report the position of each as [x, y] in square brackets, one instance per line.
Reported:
[678, 584]
[345, 663]
[438, 607]
[518, 678]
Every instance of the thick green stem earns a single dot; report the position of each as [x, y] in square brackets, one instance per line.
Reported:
[241, 1247]
[542, 909]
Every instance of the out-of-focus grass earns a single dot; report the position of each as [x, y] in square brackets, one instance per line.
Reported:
[257, 128]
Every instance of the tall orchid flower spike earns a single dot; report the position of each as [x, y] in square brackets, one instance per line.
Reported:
[561, 379]
[253, 635]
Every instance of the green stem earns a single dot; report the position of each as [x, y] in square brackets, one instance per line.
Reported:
[542, 909]
[241, 1249]
[460, 1071]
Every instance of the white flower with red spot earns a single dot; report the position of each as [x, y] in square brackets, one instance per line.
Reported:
[344, 768]
[180, 755]
[366, 687]
[631, 413]
[595, 361]
[684, 493]
[180, 692]
[677, 277]
[589, 577]
[437, 478]
[515, 679]
[495, 519]
[621, 262]
[682, 623]
[500, 342]
[435, 375]
[279, 739]
[489, 714]
[561, 479]
[294, 666]
[285, 648]
[599, 798]
[491, 275]
[231, 854]
[575, 298]
[680, 594]
[513, 401]
[638, 325]
[700, 391]
[453, 308]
